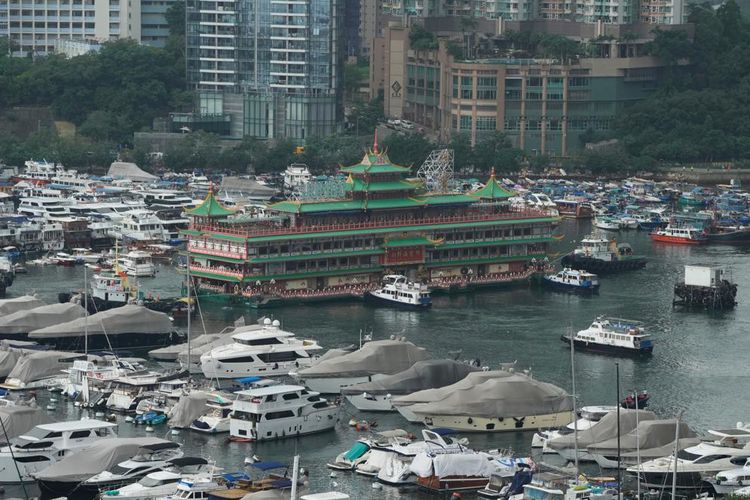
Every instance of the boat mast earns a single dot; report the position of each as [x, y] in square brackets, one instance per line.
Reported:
[189, 305]
[295, 476]
[676, 449]
[619, 457]
[637, 447]
[86, 308]
[575, 406]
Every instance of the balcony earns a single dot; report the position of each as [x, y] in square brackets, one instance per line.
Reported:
[220, 270]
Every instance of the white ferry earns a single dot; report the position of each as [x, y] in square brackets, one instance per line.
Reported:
[573, 280]
[398, 290]
[280, 411]
[137, 263]
[613, 335]
[269, 351]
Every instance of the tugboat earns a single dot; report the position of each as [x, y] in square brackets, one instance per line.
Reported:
[599, 255]
[573, 280]
[679, 235]
[613, 336]
[399, 291]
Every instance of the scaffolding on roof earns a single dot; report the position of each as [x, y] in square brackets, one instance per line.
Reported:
[437, 170]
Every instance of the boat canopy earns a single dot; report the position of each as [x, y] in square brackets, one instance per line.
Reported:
[36, 365]
[604, 430]
[28, 320]
[10, 306]
[378, 356]
[427, 374]
[648, 434]
[99, 457]
[129, 318]
[453, 464]
[8, 359]
[20, 419]
[429, 395]
[515, 396]
[188, 408]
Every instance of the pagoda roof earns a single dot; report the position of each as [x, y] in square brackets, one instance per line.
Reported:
[448, 199]
[357, 184]
[375, 162]
[306, 207]
[493, 190]
[210, 208]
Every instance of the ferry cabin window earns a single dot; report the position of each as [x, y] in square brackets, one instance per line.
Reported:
[274, 415]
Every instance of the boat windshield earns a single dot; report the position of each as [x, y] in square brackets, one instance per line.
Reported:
[686, 455]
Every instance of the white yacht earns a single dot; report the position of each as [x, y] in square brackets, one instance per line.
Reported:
[588, 416]
[613, 336]
[45, 208]
[729, 481]
[398, 290]
[216, 418]
[269, 351]
[194, 488]
[46, 444]
[296, 175]
[280, 411]
[87, 378]
[40, 170]
[167, 198]
[140, 226]
[129, 390]
[137, 263]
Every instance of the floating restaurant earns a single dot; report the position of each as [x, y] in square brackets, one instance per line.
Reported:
[384, 224]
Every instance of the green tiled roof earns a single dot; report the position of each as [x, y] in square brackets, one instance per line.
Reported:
[210, 208]
[394, 203]
[492, 190]
[375, 163]
[362, 185]
[409, 242]
[447, 199]
[321, 255]
[382, 230]
[304, 207]
[488, 260]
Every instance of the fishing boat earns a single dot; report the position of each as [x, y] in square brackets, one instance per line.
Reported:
[613, 336]
[165, 482]
[573, 280]
[397, 290]
[680, 235]
[600, 255]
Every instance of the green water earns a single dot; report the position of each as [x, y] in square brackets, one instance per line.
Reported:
[700, 362]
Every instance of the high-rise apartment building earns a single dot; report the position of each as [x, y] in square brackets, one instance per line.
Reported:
[33, 26]
[274, 66]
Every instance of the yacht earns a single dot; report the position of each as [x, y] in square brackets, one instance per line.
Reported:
[40, 171]
[588, 416]
[46, 444]
[129, 390]
[398, 290]
[280, 411]
[88, 380]
[682, 235]
[141, 227]
[216, 419]
[360, 452]
[137, 263]
[296, 175]
[613, 336]
[148, 459]
[553, 486]
[606, 223]
[692, 464]
[729, 481]
[573, 280]
[166, 198]
[269, 351]
[45, 208]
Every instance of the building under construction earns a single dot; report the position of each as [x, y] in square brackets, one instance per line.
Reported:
[705, 287]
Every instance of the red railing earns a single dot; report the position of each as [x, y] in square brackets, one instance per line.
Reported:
[395, 223]
[213, 251]
[217, 270]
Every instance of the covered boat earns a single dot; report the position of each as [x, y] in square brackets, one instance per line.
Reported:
[516, 402]
[427, 374]
[10, 306]
[122, 327]
[189, 407]
[19, 419]
[18, 324]
[170, 353]
[9, 357]
[650, 439]
[602, 431]
[39, 369]
[63, 478]
[372, 361]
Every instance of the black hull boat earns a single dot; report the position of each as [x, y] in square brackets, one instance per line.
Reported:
[609, 349]
[599, 266]
[112, 342]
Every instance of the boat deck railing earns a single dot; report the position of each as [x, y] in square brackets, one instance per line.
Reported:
[520, 213]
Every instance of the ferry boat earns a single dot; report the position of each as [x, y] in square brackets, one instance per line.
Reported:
[680, 235]
[269, 351]
[137, 263]
[613, 336]
[600, 255]
[280, 411]
[45, 444]
[398, 290]
[320, 249]
[573, 280]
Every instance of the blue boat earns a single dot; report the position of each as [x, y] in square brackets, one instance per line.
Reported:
[573, 280]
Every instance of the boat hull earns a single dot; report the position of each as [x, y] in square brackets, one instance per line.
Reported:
[333, 385]
[100, 342]
[662, 238]
[499, 424]
[376, 299]
[373, 402]
[598, 266]
[408, 414]
[437, 484]
[608, 349]
[569, 287]
[663, 480]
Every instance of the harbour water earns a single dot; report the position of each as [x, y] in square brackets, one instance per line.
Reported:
[700, 362]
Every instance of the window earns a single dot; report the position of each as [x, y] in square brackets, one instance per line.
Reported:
[465, 122]
[486, 123]
[273, 415]
[38, 458]
[578, 82]
[79, 434]
[290, 396]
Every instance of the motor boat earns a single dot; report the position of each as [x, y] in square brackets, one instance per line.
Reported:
[37, 369]
[269, 351]
[636, 401]
[164, 482]
[613, 336]
[216, 419]
[374, 360]
[137, 263]
[588, 416]
[573, 280]
[500, 486]
[681, 235]
[397, 290]
[600, 255]
[359, 453]
[607, 223]
[46, 444]
[280, 411]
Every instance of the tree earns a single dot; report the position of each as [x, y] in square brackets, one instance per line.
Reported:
[421, 39]
[496, 151]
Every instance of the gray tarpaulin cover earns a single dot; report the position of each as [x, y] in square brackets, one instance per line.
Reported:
[130, 318]
[429, 395]
[40, 317]
[649, 434]
[170, 352]
[36, 365]
[98, 457]
[8, 359]
[10, 306]
[605, 429]
[454, 464]
[188, 408]
[20, 419]
[662, 451]
[378, 356]
[427, 374]
[515, 396]
[334, 353]
[126, 170]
